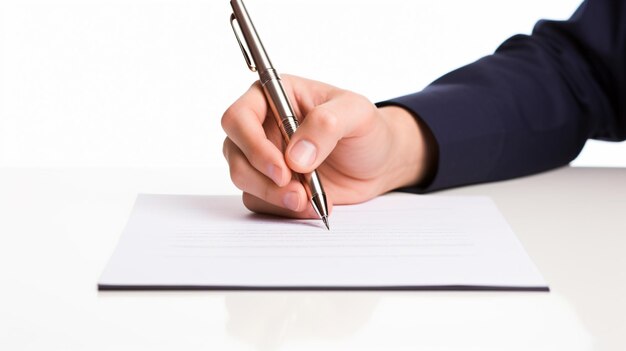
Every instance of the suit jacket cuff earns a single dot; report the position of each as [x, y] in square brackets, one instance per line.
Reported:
[468, 147]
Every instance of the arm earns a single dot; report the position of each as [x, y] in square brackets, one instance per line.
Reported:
[532, 105]
[529, 107]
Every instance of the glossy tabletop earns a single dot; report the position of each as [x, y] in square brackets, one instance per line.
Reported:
[59, 226]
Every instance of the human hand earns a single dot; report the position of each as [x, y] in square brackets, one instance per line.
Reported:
[360, 151]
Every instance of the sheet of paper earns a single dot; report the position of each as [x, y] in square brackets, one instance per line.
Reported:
[397, 241]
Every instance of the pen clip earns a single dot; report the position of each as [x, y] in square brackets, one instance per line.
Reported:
[249, 62]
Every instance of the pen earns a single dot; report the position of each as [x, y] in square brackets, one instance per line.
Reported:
[258, 61]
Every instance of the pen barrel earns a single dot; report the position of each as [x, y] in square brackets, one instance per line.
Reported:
[288, 123]
[276, 98]
[260, 58]
[279, 103]
[315, 192]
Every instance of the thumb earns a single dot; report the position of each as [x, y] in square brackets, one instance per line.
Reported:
[344, 115]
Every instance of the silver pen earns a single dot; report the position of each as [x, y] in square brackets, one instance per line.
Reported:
[258, 61]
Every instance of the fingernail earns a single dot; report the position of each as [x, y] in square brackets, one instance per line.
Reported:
[275, 173]
[291, 201]
[303, 153]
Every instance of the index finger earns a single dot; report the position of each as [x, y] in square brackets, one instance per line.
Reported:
[243, 123]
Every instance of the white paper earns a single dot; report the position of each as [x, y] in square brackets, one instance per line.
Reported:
[393, 241]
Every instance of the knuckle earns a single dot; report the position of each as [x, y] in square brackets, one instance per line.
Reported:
[325, 119]
[237, 175]
[226, 119]
[229, 118]
[255, 85]
[225, 147]
[248, 202]
[365, 106]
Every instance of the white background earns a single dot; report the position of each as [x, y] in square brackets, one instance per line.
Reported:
[144, 83]
[131, 83]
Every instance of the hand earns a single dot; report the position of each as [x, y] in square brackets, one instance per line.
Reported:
[359, 150]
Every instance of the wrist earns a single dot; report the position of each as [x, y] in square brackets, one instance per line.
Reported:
[412, 153]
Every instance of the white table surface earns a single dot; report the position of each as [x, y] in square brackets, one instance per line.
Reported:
[58, 228]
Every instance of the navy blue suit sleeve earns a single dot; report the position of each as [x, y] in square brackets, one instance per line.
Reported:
[531, 105]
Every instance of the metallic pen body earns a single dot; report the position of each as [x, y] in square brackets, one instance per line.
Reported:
[258, 60]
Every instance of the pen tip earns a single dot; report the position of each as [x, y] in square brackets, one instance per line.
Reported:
[325, 219]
